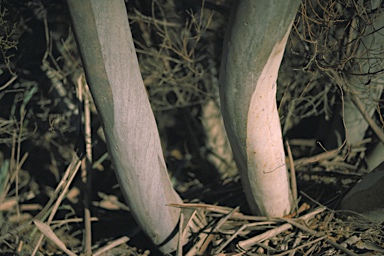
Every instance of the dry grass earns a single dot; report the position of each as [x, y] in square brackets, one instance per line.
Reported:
[45, 103]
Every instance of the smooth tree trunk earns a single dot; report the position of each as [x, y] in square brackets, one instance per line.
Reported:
[365, 82]
[365, 85]
[218, 149]
[253, 50]
[112, 71]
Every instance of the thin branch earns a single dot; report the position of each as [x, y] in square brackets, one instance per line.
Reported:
[292, 173]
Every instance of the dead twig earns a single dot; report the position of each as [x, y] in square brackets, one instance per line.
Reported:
[248, 243]
[292, 174]
[83, 92]
[70, 174]
[111, 245]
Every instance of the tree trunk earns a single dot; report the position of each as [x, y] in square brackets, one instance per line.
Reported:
[366, 87]
[112, 71]
[365, 82]
[218, 151]
[253, 49]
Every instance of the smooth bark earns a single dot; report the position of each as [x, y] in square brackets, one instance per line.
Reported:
[365, 81]
[366, 86]
[218, 149]
[253, 49]
[112, 71]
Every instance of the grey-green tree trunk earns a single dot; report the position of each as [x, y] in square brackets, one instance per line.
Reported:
[253, 49]
[112, 71]
[367, 196]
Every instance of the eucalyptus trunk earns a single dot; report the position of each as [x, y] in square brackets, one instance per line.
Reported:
[112, 71]
[364, 87]
[254, 46]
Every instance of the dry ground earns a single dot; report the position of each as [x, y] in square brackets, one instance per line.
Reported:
[43, 99]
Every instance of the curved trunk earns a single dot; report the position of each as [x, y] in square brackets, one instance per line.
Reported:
[112, 71]
[253, 49]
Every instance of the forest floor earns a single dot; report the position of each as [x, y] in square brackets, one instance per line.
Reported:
[41, 135]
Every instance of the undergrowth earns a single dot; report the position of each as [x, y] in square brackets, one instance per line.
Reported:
[42, 125]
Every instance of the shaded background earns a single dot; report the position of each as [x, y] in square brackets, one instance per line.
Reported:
[179, 47]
